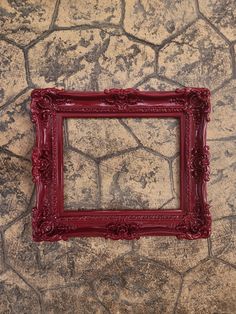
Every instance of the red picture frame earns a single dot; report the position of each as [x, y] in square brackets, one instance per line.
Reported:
[49, 220]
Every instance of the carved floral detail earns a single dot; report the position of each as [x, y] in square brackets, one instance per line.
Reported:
[41, 164]
[122, 98]
[46, 226]
[195, 102]
[42, 105]
[199, 163]
[122, 230]
[195, 225]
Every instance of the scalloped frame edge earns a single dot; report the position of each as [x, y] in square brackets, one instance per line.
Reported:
[48, 109]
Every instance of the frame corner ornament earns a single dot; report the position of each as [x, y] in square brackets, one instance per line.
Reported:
[49, 220]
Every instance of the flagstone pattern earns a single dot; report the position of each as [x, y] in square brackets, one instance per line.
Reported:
[92, 45]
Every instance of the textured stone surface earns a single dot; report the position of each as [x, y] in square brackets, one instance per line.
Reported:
[221, 238]
[80, 181]
[135, 285]
[72, 299]
[16, 128]
[223, 178]
[197, 57]
[16, 296]
[24, 21]
[135, 180]
[16, 187]
[221, 13]
[157, 20]
[224, 240]
[62, 262]
[161, 135]
[212, 276]
[2, 265]
[90, 12]
[90, 52]
[179, 255]
[153, 84]
[12, 74]
[99, 137]
[67, 58]
[125, 63]
[223, 115]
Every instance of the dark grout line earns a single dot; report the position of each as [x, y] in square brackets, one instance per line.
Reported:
[27, 71]
[204, 18]
[225, 262]
[139, 40]
[144, 80]
[28, 284]
[92, 288]
[55, 14]
[233, 56]
[10, 153]
[169, 81]
[116, 154]
[3, 249]
[99, 184]
[150, 150]
[14, 98]
[130, 131]
[76, 150]
[24, 214]
[222, 85]
[167, 202]
[209, 244]
[222, 139]
[38, 39]
[201, 262]
[172, 37]
[122, 7]
[233, 217]
[10, 41]
[178, 295]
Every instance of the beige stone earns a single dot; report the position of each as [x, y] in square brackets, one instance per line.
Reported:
[221, 187]
[74, 299]
[176, 176]
[155, 84]
[224, 240]
[68, 58]
[135, 180]
[124, 63]
[99, 137]
[16, 187]
[209, 288]
[135, 285]
[179, 255]
[46, 265]
[155, 21]
[223, 114]
[17, 133]
[25, 21]
[161, 135]
[221, 236]
[198, 57]
[80, 182]
[222, 14]
[88, 12]
[2, 264]
[12, 75]
[16, 296]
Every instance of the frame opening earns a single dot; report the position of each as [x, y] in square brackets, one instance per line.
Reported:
[121, 164]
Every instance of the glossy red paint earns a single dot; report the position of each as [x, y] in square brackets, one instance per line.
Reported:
[49, 220]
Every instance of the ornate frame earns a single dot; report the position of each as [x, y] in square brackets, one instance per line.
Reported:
[50, 106]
